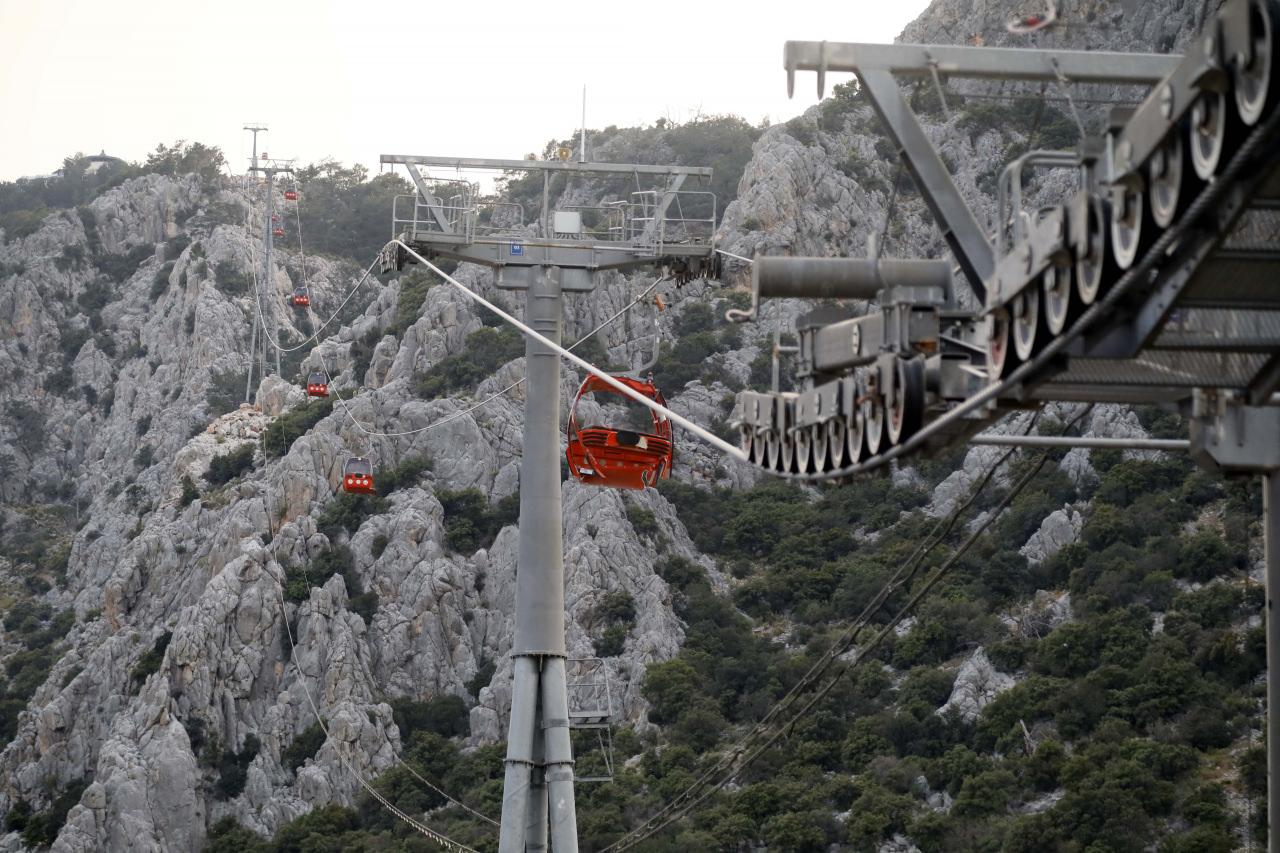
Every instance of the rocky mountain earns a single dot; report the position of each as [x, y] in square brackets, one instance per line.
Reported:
[189, 591]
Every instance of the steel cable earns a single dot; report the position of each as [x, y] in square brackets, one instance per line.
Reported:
[510, 387]
[439, 838]
[645, 830]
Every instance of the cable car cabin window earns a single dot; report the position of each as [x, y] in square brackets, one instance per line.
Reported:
[616, 442]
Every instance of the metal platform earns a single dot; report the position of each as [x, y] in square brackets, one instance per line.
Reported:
[661, 222]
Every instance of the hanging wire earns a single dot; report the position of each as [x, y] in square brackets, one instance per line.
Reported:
[622, 389]
[275, 343]
[439, 838]
[650, 828]
[903, 575]
[496, 395]
[306, 575]
[302, 255]
[1064, 84]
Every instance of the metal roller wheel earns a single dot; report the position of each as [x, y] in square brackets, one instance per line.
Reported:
[853, 441]
[759, 447]
[818, 438]
[773, 450]
[1207, 133]
[1090, 266]
[1165, 177]
[802, 439]
[999, 360]
[1253, 81]
[787, 462]
[873, 425]
[872, 415]
[1057, 298]
[1025, 316]
[906, 408]
[836, 437]
[1126, 226]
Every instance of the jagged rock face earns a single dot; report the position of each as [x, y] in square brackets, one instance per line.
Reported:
[1058, 530]
[156, 343]
[209, 573]
[977, 683]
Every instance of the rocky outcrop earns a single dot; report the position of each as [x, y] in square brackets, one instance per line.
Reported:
[977, 683]
[1059, 529]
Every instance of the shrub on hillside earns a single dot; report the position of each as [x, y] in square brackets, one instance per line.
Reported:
[228, 466]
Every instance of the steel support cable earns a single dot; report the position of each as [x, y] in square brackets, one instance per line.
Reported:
[271, 339]
[258, 298]
[1137, 274]
[443, 840]
[735, 257]
[486, 401]
[902, 576]
[302, 256]
[438, 790]
[625, 390]
[862, 654]
[307, 577]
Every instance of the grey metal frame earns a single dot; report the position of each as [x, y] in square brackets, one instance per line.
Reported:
[1125, 347]
[265, 282]
[538, 789]
[685, 244]
[876, 66]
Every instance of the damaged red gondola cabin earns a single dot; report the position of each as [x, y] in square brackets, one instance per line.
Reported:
[357, 476]
[619, 458]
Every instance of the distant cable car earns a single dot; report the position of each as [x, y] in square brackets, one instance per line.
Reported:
[357, 476]
[277, 231]
[275, 217]
[301, 298]
[619, 458]
[318, 384]
[290, 195]
[1034, 23]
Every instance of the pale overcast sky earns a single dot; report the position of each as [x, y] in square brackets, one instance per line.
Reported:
[354, 80]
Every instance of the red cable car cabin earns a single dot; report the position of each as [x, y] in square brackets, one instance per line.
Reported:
[277, 232]
[318, 384]
[619, 458]
[1034, 22]
[301, 298]
[290, 195]
[357, 476]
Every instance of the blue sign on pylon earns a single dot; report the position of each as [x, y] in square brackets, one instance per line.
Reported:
[517, 248]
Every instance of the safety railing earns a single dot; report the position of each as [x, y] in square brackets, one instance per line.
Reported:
[600, 223]
[590, 696]
[651, 219]
[658, 217]
[410, 215]
[498, 218]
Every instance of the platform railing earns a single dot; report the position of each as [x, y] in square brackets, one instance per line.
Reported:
[689, 218]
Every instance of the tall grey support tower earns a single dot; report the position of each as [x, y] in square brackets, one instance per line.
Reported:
[266, 304]
[572, 244]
